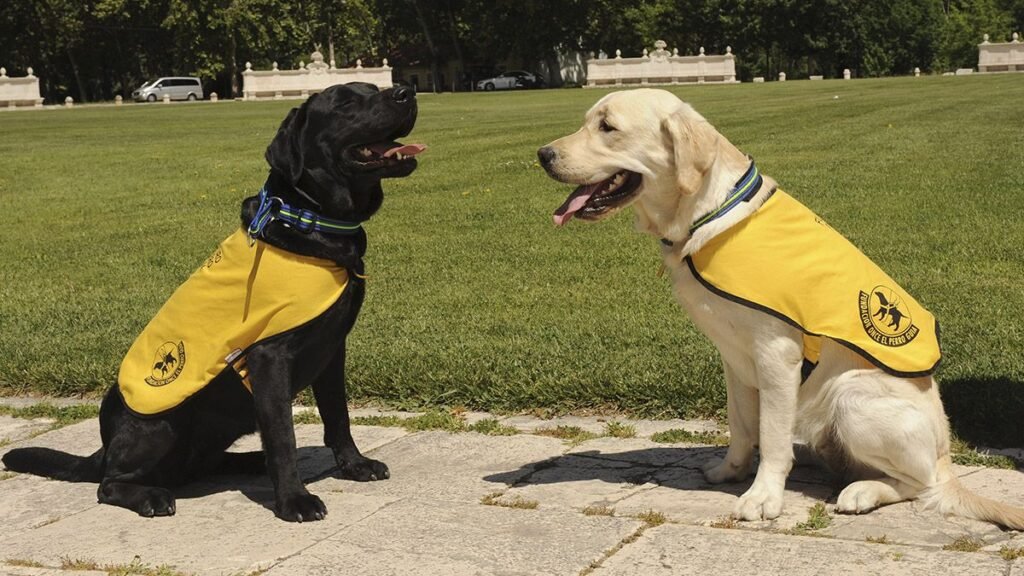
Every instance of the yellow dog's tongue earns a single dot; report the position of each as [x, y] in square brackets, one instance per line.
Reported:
[575, 201]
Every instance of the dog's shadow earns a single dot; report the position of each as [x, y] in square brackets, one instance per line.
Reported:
[677, 468]
[314, 463]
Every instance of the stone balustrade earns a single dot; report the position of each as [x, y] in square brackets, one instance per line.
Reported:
[22, 91]
[662, 67]
[309, 78]
[1001, 56]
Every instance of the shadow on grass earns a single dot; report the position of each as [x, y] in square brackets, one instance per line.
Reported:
[986, 411]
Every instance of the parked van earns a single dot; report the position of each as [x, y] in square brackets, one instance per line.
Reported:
[178, 88]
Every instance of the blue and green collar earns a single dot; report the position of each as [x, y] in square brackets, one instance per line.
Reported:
[306, 221]
[747, 187]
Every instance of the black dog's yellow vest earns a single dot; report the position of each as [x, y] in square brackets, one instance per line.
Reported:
[786, 261]
[242, 295]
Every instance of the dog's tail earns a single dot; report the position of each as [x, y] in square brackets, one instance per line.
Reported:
[949, 496]
[55, 464]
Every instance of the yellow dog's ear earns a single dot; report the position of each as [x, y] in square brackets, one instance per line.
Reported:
[694, 147]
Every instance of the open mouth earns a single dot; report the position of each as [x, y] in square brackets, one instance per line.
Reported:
[592, 200]
[383, 154]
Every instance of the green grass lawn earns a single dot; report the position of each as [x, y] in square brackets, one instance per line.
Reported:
[475, 299]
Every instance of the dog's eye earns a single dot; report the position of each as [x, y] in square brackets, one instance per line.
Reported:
[606, 127]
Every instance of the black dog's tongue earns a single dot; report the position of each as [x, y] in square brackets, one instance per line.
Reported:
[391, 148]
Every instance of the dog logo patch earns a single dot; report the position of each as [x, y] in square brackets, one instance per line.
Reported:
[885, 318]
[167, 364]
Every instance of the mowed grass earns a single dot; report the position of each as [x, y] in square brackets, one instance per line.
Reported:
[475, 298]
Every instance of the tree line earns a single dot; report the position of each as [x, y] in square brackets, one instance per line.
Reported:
[95, 49]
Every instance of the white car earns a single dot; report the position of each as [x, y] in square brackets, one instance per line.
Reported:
[509, 81]
[177, 88]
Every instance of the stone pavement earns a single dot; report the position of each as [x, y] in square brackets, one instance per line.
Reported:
[467, 503]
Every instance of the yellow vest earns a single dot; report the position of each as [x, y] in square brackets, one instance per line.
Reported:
[786, 261]
[241, 295]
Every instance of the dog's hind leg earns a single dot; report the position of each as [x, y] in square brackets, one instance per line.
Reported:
[744, 421]
[332, 402]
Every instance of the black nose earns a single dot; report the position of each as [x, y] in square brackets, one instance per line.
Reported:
[403, 94]
[546, 155]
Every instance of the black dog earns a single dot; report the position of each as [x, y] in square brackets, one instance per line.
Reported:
[328, 159]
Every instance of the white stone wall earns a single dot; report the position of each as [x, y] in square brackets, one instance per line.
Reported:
[309, 78]
[1001, 56]
[19, 91]
[662, 67]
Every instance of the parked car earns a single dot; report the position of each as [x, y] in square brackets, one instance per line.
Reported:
[510, 80]
[178, 88]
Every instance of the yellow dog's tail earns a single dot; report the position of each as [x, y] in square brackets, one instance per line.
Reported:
[949, 496]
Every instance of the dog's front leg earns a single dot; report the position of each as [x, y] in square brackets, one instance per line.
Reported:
[778, 377]
[743, 414]
[332, 402]
[271, 389]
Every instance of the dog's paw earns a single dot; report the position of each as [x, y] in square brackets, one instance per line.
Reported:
[364, 470]
[763, 501]
[859, 497]
[156, 502]
[718, 471]
[301, 508]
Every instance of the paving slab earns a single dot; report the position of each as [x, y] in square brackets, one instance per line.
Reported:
[28, 502]
[460, 467]
[676, 549]
[220, 533]
[81, 439]
[579, 482]
[907, 523]
[15, 429]
[448, 539]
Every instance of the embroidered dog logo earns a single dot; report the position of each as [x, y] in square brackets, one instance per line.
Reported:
[886, 318]
[167, 364]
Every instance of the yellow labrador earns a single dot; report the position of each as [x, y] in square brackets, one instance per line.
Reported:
[869, 417]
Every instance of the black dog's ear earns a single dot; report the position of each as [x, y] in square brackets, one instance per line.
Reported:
[285, 152]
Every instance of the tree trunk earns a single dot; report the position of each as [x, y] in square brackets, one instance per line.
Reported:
[82, 97]
[434, 76]
[458, 48]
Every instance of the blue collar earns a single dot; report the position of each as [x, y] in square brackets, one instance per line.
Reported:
[743, 191]
[306, 221]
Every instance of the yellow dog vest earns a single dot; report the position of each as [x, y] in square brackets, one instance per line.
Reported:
[786, 261]
[241, 295]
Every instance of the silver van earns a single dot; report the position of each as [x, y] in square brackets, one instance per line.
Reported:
[178, 88]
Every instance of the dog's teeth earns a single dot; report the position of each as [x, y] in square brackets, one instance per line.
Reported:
[399, 156]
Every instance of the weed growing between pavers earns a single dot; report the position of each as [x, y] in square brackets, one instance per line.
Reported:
[495, 499]
[678, 435]
[619, 430]
[5, 475]
[62, 415]
[965, 544]
[817, 519]
[652, 518]
[598, 510]
[493, 427]
[1010, 553]
[966, 455]
[883, 539]
[390, 421]
[23, 563]
[572, 434]
[135, 568]
[614, 549]
[727, 523]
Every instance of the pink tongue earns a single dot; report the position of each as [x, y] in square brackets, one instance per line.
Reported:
[405, 150]
[574, 203]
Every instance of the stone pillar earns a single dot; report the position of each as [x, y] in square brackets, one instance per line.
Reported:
[118, 100]
[69, 102]
[917, 72]
[846, 74]
[213, 96]
[167, 98]
[782, 76]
